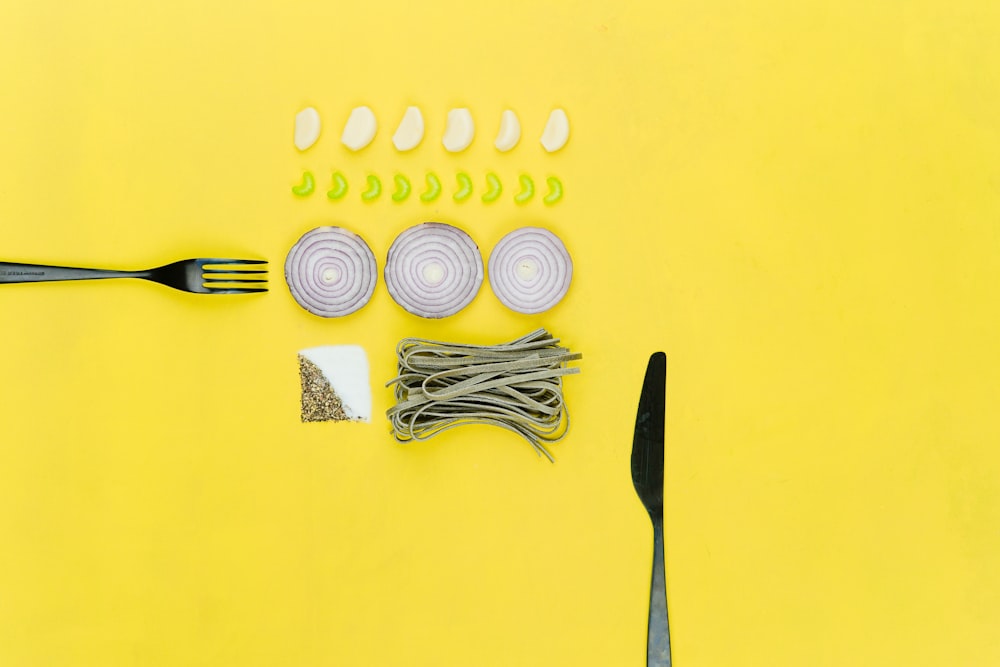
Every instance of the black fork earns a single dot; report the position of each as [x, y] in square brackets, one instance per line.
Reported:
[200, 276]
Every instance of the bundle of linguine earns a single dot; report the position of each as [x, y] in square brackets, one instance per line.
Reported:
[515, 385]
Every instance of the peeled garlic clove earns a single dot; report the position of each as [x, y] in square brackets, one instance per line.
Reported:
[510, 131]
[307, 127]
[459, 130]
[556, 131]
[360, 129]
[410, 131]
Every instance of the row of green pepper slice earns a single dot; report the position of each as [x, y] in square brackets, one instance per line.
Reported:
[403, 188]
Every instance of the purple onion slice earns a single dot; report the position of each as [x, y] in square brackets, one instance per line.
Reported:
[433, 270]
[331, 271]
[530, 270]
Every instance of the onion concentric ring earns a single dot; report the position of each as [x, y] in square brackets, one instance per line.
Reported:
[433, 270]
[331, 271]
[530, 270]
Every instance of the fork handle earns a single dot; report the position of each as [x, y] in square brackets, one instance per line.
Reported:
[12, 272]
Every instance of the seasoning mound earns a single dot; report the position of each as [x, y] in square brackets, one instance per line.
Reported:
[335, 384]
[320, 402]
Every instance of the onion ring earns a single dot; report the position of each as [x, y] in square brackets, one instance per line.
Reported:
[530, 270]
[433, 270]
[331, 272]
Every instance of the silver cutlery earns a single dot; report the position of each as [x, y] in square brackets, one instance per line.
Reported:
[647, 477]
[200, 276]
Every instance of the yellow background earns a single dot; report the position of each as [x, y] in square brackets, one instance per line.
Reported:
[797, 201]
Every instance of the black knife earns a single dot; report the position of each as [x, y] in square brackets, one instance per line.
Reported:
[647, 476]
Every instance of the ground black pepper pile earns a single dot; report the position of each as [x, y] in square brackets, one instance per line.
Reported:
[319, 402]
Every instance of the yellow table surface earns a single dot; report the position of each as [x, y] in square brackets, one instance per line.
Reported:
[796, 201]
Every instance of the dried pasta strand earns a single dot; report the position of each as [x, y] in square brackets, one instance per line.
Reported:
[516, 386]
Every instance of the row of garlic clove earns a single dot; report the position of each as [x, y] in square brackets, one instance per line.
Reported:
[361, 127]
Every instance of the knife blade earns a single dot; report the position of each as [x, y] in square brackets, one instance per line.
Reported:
[647, 477]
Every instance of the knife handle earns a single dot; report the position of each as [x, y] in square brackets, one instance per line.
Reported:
[658, 637]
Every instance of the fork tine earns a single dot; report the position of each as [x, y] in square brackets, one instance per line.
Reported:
[212, 269]
[233, 280]
[219, 265]
[216, 260]
[234, 290]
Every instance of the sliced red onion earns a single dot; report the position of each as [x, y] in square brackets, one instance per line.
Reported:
[530, 270]
[331, 271]
[433, 270]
